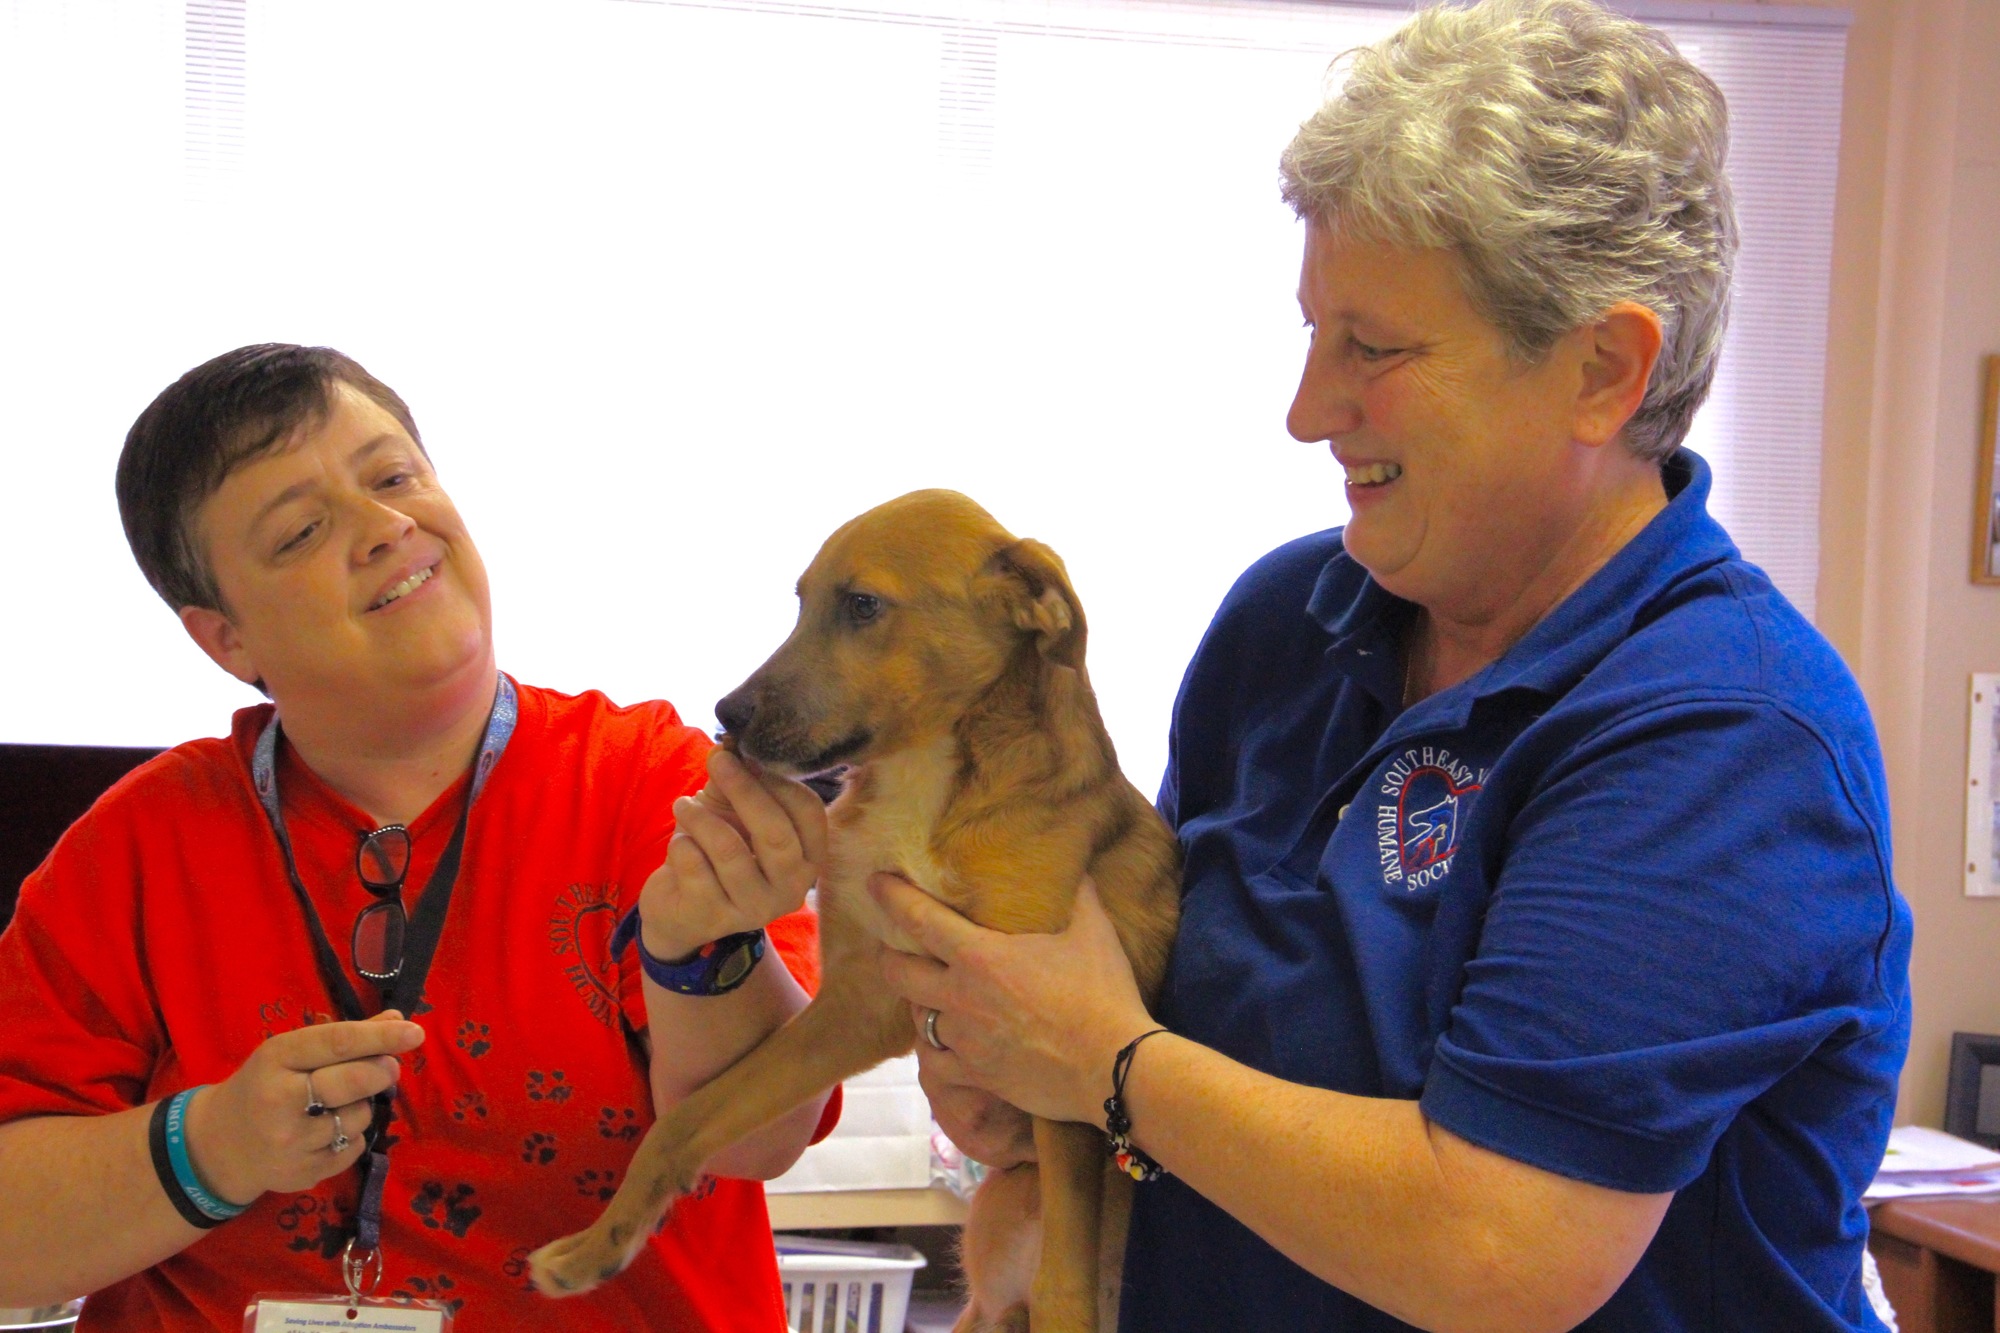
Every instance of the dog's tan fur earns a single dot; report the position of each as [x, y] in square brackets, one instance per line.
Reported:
[981, 771]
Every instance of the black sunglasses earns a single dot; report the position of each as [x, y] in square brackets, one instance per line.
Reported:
[383, 862]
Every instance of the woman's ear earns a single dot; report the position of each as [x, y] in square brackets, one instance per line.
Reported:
[1623, 345]
[218, 637]
[1034, 586]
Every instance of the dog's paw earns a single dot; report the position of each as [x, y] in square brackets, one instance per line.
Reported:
[575, 1264]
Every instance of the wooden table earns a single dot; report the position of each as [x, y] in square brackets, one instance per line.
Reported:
[1938, 1259]
[935, 1206]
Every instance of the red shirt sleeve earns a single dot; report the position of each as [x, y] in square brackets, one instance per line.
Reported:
[82, 1035]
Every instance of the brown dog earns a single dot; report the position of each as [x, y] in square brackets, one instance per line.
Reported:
[941, 660]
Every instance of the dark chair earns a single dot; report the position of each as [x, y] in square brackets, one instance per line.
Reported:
[43, 788]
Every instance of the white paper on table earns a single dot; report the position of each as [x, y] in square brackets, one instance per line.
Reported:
[1932, 1187]
[883, 1140]
[1926, 1164]
[1913, 1149]
[858, 1164]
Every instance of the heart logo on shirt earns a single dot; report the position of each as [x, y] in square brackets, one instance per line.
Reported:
[580, 926]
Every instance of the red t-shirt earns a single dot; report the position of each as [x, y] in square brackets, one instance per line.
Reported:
[161, 942]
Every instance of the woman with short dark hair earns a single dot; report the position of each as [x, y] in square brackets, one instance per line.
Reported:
[337, 998]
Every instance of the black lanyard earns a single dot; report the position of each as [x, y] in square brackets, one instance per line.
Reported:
[420, 945]
[407, 990]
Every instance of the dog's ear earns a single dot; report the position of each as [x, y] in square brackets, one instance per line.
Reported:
[1034, 587]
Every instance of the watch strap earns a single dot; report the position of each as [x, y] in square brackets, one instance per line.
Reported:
[716, 968]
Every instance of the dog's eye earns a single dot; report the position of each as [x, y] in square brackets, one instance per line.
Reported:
[862, 607]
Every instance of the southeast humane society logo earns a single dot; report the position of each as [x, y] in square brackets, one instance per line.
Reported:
[1428, 792]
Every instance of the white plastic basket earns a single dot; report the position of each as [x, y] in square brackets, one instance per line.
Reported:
[845, 1286]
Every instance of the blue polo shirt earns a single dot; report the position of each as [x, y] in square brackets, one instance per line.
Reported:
[1619, 907]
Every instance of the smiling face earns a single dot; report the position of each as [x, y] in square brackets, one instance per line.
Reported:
[346, 574]
[1461, 463]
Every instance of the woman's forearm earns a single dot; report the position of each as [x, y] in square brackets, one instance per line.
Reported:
[84, 1207]
[1371, 1197]
[694, 1038]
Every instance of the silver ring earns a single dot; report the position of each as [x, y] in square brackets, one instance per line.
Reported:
[340, 1139]
[930, 1030]
[314, 1106]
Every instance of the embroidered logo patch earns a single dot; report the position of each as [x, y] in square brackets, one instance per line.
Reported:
[1427, 792]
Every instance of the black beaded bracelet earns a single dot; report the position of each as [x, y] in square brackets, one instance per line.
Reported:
[1118, 1122]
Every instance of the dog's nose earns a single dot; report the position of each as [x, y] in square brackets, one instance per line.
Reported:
[734, 711]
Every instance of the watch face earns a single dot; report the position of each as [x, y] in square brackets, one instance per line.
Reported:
[737, 966]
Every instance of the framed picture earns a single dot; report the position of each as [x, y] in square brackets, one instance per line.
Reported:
[1972, 1095]
[1982, 788]
[1986, 500]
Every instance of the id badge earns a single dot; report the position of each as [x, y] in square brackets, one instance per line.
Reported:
[359, 1310]
[269, 1313]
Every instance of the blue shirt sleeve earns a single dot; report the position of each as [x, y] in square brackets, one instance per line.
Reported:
[1691, 904]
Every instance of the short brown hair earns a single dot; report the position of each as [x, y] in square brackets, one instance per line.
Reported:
[204, 426]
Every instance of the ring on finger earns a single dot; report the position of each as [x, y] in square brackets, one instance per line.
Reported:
[314, 1106]
[340, 1140]
[930, 1030]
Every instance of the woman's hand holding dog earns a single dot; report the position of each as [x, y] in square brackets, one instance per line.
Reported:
[743, 854]
[1031, 1019]
[251, 1133]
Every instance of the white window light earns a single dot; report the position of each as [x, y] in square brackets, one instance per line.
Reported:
[675, 288]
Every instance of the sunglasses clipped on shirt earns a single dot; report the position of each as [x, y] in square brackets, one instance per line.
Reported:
[383, 863]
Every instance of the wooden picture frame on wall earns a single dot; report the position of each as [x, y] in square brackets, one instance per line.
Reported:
[1986, 500]
[1972, 1100]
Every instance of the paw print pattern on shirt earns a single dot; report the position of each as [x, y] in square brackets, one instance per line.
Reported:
[548, 1087]
[430, 1289]
[538, 1149]
[474, 1038]
[469, 1108]
[599, 1185]
[516, 1267]
[453, 1212]
[311, 1226]
[621, 1124]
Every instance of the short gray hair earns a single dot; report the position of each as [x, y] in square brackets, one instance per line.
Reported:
[1572, 158]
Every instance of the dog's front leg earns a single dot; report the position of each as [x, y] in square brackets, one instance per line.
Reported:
[1071, 1156]
[840, 1034]
[1113, 1228]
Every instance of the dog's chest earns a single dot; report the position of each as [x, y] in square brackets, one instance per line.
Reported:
[891, 828]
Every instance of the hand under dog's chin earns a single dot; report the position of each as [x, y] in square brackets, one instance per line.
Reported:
[799, 757]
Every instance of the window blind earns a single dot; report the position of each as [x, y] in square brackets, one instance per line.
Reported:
[676, 287]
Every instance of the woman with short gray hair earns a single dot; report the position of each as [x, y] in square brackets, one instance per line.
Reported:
[1540, 964]
[1570, 158]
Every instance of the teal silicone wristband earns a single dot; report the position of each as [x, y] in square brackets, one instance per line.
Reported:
[177, 1153]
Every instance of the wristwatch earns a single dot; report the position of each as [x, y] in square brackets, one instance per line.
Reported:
[716, 968]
